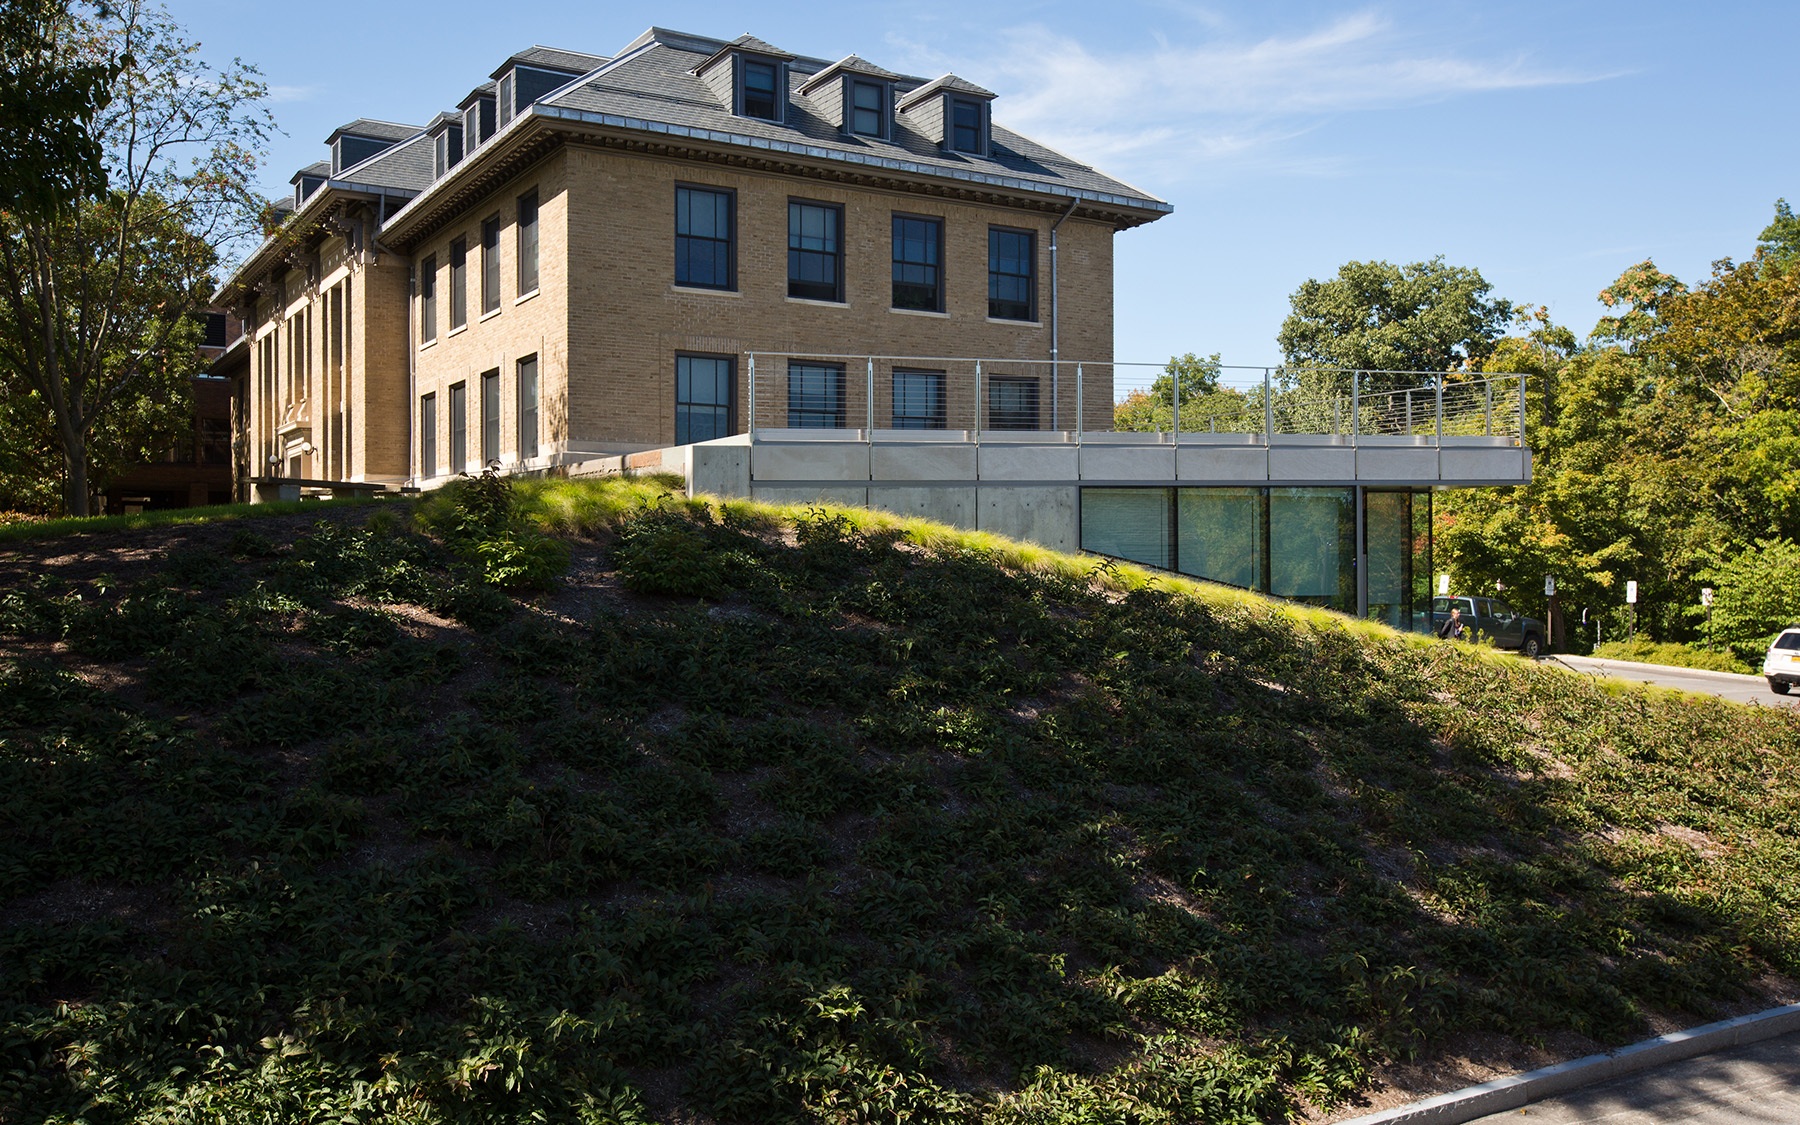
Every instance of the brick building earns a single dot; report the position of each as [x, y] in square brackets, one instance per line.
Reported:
[581, 259]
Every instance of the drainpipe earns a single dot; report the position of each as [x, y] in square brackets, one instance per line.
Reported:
[1056, 399]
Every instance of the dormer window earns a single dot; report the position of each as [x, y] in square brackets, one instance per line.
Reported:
[505, 102]
[867, 111]
[968, 126]
[446, 146]
[477, 118]
[750, 76]
[757, 85]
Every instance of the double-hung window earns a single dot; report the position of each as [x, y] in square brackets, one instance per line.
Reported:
[919, 400]
[1012, 274]
[490, 265]
[1012, 403]
[759, 89]
[866, 110]
[815, 395]
[815, 251]
[490, 417]
[459, 283]
[967, 126]
[428, 463]
[918, 263]
[528, 408]
[703, 391]
[528, 242]
[459, 427]
[705, 256]
[428, 299]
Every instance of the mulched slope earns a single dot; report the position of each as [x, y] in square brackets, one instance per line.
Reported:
[751, 822]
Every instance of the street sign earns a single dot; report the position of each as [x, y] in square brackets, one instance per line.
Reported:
[1549, 585]
[1631, 593]
[1706, 595]
[1443, 585]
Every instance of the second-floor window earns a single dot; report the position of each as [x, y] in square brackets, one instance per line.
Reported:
[428, 299]
[490, 265]
[815, 251]
[918, 257]
[1012, 274]
[528, 243]
[459, 282]
[704, 244]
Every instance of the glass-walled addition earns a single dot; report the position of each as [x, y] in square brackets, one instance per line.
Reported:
[1353, 550]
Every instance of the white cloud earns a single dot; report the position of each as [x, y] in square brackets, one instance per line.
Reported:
[282, 94]
[1218, 99]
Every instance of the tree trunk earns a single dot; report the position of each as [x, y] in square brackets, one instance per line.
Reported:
[75, 480]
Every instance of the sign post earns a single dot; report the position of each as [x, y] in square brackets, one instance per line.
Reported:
[1631, 600]
[1706, 596]
[1553, 616]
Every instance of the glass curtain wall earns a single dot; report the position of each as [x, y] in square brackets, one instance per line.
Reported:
[1222, 535]
[1129, 523]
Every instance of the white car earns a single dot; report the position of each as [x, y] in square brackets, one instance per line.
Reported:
[1782, 665]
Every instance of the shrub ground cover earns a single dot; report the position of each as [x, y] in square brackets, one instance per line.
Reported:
[756, 815]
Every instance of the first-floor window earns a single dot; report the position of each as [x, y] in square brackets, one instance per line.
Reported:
[816, 395]
[528, 407]
[1012, 403]
[490, 417]
[919, 400]
[428, 465]
[459, 427]
[703, 385]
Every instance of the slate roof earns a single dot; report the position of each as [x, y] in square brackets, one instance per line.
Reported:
[947, 82]
[407, 167]
[320, 168]
[552, 58]
[849, 64]
[379, 130]
[654, 84]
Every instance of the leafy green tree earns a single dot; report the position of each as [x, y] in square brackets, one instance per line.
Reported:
[1638, 294]
[99, 298]
[1205, 403]
[1780, 240]
[52, 85]
[1756, 595]
[1427, 317]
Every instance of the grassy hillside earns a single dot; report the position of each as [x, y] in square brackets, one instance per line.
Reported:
[751, 816]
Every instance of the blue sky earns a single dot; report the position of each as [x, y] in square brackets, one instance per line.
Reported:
[1549, 145]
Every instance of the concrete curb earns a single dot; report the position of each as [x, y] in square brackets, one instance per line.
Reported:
[1598, 666]
[1517, 1090]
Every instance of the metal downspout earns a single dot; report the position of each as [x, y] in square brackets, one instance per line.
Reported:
[1055, 372]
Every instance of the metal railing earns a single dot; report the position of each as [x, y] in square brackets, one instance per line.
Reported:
[871, 398]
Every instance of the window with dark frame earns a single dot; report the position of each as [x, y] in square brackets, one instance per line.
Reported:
[490, 417]
[428, 299]
[490, 265]
[1012, 402]
[705, 246]
[966, 131]
[528, 408]
[459, 427]
[759, 85]
[703, 397]
[815, 251]
[1012, 274]
[528, 242]
[815, 395]
[867, 113]
[428, 435]
[919, 400]
[506, 98]
[918, 257]
[459, 282]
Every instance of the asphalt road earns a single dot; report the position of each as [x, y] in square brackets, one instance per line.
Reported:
[1754, 1085]
[1740, 689]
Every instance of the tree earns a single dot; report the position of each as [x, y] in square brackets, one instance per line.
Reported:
[50, 94]
[1426, 317]
[99, 297]
[1205, 404]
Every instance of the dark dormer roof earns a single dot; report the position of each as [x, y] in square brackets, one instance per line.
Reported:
[849, 64]
[374, 130]
[405, 168]
[747, 45]
[318, 170]
[443, 120]
[475, 95]
[949, 83]
[552, 58]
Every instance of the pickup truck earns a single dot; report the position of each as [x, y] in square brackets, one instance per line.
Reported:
[1493, 621]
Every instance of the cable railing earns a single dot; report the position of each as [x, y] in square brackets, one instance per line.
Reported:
[958, 398]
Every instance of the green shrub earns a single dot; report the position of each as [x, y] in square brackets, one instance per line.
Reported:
[1674, 655]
